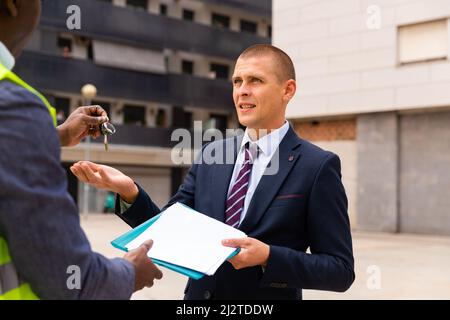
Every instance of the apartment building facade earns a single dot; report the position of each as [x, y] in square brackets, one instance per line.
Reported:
[158, 65]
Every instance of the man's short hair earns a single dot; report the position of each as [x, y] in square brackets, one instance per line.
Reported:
[284, 63]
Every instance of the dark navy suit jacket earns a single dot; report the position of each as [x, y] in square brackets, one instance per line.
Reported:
[302, 206]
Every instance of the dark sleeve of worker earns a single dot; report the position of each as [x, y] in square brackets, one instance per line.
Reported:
[38, 217]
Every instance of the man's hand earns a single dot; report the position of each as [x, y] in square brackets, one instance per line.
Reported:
[253, 252]
[105, 177]
[145, 270]
[80, 123]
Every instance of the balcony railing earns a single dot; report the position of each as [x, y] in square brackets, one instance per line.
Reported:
[134, 135]
[54, 73]
[261, 7]
[101, 20]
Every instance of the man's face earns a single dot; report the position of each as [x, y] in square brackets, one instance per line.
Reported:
[258, 93]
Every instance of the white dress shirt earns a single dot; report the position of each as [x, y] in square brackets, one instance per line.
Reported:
[6, 58]
[267, 145]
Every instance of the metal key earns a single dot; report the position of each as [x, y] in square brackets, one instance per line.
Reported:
[105, 141]
[107, 129]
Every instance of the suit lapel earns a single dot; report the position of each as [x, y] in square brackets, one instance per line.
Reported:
[221, 177]
[287, 154]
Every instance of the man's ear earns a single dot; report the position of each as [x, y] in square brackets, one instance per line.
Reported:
[290, 89]
[11, 7]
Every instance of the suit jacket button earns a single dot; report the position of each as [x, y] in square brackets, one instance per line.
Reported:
[207, 295]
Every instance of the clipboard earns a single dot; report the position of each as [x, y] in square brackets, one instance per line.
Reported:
[122, 241]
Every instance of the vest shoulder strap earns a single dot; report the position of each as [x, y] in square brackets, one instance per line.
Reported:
[6, 74]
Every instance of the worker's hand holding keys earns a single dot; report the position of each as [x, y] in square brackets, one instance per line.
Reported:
[80, 123]
[84, 121]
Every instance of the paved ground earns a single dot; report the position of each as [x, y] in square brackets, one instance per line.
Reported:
[387, 266]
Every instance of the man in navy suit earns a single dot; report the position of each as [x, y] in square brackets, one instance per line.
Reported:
[285, 193]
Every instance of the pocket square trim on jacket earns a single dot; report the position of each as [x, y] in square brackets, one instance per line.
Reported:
[290, 196]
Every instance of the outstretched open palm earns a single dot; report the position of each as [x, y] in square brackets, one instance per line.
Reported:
[102, 177]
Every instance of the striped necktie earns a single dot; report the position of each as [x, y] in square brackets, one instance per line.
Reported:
[236, 199]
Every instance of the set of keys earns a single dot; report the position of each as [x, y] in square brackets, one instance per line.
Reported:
[107, 129]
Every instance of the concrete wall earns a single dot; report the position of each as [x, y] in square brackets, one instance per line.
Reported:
[345, 67]
[377, 136]
[404, 172]
[425, 173]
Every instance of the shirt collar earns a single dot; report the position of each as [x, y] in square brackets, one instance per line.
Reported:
[268, 143]
[6, 58]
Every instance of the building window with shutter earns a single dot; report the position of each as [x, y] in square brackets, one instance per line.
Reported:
[421, 42]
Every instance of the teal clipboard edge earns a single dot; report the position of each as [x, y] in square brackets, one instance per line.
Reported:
[121, 242]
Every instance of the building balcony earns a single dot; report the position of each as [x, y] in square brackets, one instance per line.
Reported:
[141, 28]
[261, 7]
[54, 73]
[133, 135]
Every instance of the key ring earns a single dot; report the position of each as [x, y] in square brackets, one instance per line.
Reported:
[107, 128]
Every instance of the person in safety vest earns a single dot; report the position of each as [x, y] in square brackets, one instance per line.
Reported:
[44, 253]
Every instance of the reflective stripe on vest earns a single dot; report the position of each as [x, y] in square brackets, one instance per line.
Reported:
[11, 285]
[6, 74]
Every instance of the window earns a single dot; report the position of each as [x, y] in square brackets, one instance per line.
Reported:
[248, 26]
[166, 62]
[137, 4]
[220, 21]
[105, 105]
[423, 42]
[187, 67]
[161, 118]
[188, 15]
[90, 51]
[128, 57]
[181, 118]
[221, 71]
[163, 9]
[65, 46]
[220, 122]
[62, 106]
[134, 115]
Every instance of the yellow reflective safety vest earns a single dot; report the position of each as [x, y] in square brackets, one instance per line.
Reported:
[12, 287]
